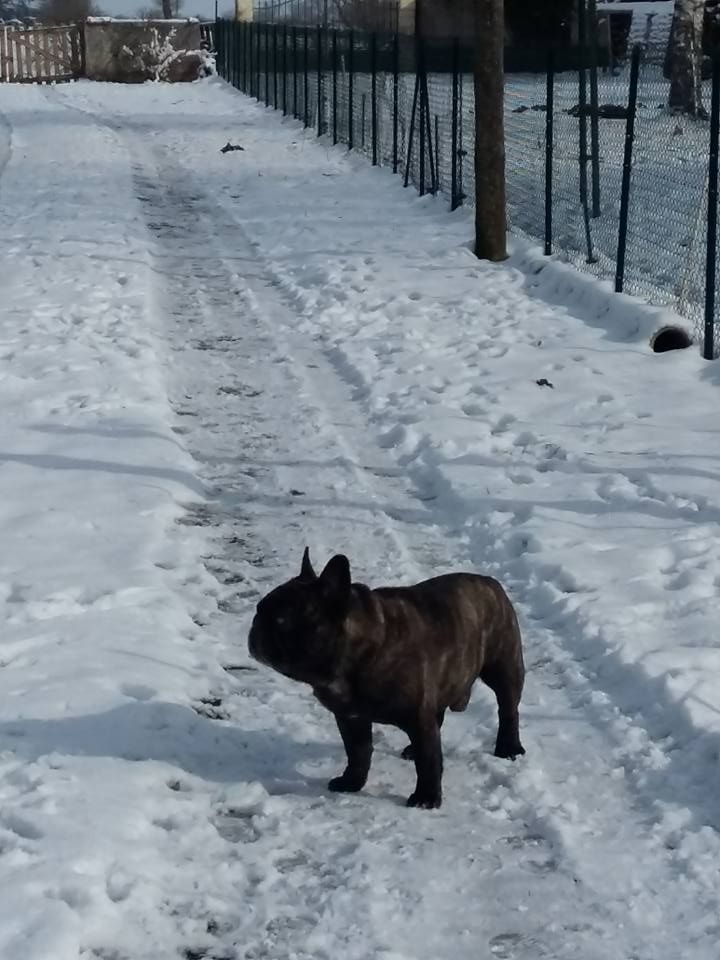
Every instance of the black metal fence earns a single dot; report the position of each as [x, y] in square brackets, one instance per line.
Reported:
[598, 169]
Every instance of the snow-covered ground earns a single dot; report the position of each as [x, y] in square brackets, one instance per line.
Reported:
[208, 360]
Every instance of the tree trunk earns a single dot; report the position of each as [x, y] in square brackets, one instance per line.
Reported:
[490, 214]
[685, 57]
[167, 9]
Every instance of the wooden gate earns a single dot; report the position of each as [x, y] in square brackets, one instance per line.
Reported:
[40, 54]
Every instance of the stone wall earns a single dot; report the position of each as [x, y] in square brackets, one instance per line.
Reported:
[133, 51]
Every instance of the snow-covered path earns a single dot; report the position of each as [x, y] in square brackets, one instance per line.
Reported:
[210, 360]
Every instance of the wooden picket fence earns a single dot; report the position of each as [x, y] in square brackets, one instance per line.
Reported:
[40, 54]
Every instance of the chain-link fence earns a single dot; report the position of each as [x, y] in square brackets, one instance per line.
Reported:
[408, 103]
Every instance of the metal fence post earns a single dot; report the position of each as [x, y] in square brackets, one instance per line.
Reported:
[267, 64]
[582, 126]
[219, 45]
[223, 48]
[237, 68]
[319, 81]
[284, 67]
[421, 77]
[594, 115]
[373, 91]
[244, 47]
[396, 82]
[351, 85]
[454, 200]
[549, 143]
[275, 65]
[258, 64]
[295, 73]
[334, 83]
[306, 86]
[627, 169]
[711, 256]
[250, 59]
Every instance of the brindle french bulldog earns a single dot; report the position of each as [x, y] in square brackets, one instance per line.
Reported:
[397, 655]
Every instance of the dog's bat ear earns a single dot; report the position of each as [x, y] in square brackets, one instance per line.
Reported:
[306, 568]
[335, 580]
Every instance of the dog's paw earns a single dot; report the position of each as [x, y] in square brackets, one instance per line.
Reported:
[509, 751]
[345, 784]
[408, 753]
[426, 801]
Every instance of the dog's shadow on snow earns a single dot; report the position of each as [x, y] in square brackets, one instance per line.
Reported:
[177, 736]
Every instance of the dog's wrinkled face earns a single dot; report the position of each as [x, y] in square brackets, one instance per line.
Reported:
[296, 626]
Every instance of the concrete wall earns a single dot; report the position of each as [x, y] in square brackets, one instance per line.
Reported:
[133, 51]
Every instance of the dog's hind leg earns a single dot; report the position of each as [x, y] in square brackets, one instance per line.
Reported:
[356, 735]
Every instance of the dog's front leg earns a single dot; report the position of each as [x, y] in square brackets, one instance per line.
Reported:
[356, 734]
[427, 753]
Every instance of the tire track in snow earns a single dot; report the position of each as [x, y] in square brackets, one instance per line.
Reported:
[533, 839]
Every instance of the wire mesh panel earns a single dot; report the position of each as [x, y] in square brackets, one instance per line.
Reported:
[408, 103]
[525, 122]
[668, 205]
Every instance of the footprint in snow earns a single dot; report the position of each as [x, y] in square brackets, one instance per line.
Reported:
[138, 691]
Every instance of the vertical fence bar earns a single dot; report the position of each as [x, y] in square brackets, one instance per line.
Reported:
[436, 174]
[251, 58]
[240, 47]
[594, 117]
[245, 45]
[454, 200]
[295, 73]
[549, 143]
[582, 125]
[627, 169]
[218, 44]
[258, 63]
[226, 49]
[411, 133]
[431, 153]
[306, 86]
[396, 82]
[275, 65]
[228, 53]
[351, 85]
[423, 91]
[334, 83]
[284, 67]
[267, 64]
[711, 255]
[244, 55]
[318, 54]
[373, 92]
[235, 55]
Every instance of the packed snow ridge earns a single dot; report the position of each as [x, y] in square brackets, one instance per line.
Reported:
[209, 360]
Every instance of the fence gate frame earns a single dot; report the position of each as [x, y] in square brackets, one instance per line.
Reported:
[41, 53]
